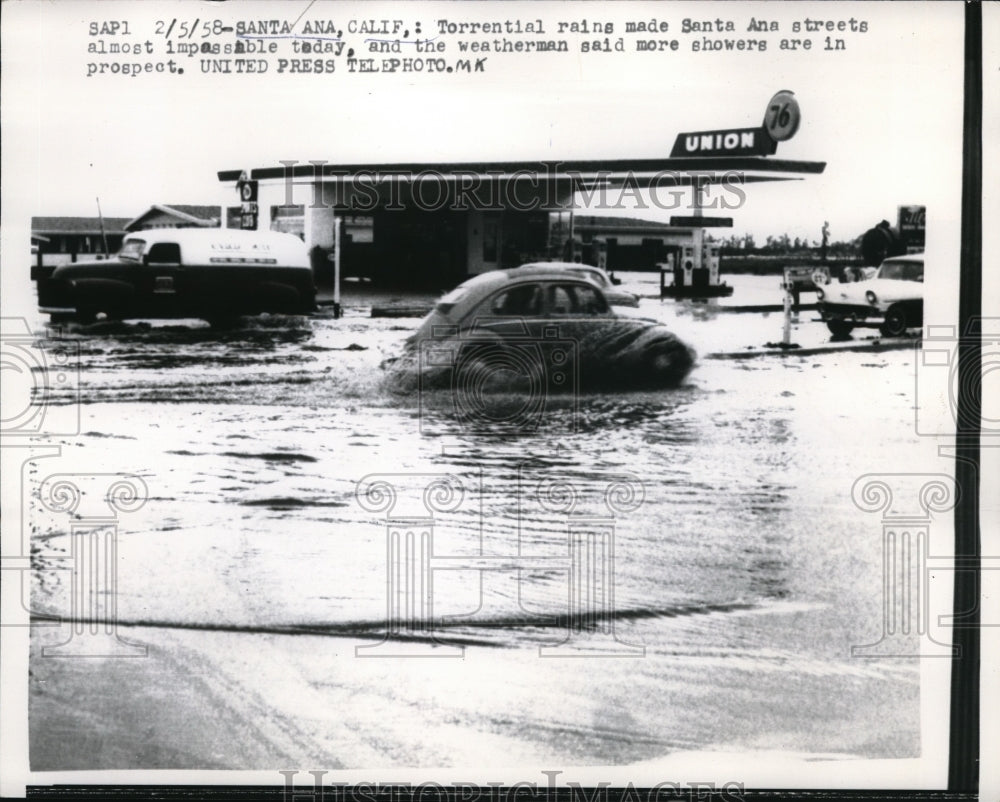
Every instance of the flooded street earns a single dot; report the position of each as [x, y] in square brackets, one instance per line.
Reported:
[635, 575]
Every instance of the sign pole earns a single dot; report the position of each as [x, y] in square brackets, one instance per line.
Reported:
[786, 337]
[336, 267]
[104, 236]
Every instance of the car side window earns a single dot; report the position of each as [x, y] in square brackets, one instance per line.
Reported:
[522, 301]
[164, 253]
[589, 301]
[561, 301]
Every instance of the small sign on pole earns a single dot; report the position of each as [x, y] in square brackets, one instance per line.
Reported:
[336, 267]
[786, 333]
[794, 281]
[247, 190]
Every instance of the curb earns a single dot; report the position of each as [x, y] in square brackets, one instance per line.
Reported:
[873, 347]
[416, 310]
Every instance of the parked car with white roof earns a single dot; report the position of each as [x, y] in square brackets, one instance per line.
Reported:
[892, 300]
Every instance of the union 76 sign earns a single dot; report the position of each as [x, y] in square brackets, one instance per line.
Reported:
[781, 121]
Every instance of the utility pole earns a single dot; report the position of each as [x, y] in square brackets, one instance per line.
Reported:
[104, 236]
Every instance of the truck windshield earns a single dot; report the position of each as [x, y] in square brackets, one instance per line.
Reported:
[132, 250]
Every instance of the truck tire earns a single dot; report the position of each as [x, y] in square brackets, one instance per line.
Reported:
[277, 297]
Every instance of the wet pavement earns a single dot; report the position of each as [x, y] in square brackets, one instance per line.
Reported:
[697, 548]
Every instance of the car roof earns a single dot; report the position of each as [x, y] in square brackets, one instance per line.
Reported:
[556, 266]
[204, 234]
[537, 271]
[478, 287]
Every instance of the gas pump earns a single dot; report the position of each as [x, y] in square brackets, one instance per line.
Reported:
[669, 267]
[710, 259]
[687, 264]
[695, 270]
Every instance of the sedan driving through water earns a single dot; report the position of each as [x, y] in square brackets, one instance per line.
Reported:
[511, 329]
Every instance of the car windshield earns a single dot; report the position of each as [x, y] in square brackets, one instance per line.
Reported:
[132, 250]
[902, 270]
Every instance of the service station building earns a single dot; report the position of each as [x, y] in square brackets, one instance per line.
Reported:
[434, 224]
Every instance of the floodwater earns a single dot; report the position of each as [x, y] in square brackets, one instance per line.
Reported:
[603, 578]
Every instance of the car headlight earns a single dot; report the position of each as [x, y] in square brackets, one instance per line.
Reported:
[871, 297]
[820, 294]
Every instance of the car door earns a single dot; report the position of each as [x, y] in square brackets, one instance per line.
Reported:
[578, 313]
[163, 291]
[515, 312]
[575, 306]
[499, 338]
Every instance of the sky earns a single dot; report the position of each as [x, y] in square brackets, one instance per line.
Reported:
[885, 114]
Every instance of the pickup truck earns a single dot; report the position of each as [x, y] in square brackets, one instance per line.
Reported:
[215, 274]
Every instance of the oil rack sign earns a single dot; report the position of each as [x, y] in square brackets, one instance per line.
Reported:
[913, 226]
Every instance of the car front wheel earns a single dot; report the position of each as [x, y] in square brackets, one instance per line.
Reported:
[896, 321]
[840, 328]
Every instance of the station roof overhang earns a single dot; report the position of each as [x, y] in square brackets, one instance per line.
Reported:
[520, 185]
[639, 172]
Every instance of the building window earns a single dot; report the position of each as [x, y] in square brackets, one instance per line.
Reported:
[359, 228]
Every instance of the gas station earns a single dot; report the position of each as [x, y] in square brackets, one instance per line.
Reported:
[432, 225]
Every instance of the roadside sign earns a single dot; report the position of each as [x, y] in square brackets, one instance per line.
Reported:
[781, 121]
[913, 226]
